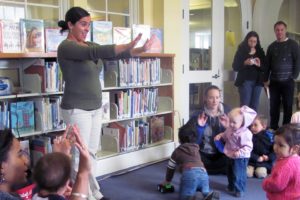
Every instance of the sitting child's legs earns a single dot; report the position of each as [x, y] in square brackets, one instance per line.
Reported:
[261, 172]
[250, 171]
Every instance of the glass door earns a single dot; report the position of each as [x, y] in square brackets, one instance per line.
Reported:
[205, 51]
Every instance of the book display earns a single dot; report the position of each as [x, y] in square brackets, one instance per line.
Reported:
[137, 107]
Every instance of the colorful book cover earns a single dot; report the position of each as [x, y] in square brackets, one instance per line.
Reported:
[144, 30]
[22, 117]
[105, 106]
[121, 35]
[156, 129]
[9, 36]
[32, 35]
[53, 38]
[157, 45]
[102, 32]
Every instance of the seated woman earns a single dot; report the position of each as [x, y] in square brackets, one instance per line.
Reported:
[210, 123]
[14, 167]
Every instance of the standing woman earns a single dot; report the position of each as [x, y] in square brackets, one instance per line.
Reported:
[81, 63]
[249, 63]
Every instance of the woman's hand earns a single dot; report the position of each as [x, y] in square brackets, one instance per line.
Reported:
[202, 119]
[84, 160]
[257, 62]
[62, 143]
[147, 46]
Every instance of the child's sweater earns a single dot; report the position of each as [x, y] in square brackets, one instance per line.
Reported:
[240, 141]
[284, 181]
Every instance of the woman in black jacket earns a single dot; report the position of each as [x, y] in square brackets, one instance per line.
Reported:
[249, 63]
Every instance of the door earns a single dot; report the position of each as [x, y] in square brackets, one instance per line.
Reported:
[204, 50]
[214, 29]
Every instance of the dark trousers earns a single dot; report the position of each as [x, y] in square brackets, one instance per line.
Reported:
[281, 92]
[237, 174]
[214, 163]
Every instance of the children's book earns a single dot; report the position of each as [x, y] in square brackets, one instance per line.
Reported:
[157, 45]
[144, 30]
[53, 38]
[22, 117]
[102, 32]
[156, 129]
[10, 36]
[105, 106]
[32, 35]
[121, 35]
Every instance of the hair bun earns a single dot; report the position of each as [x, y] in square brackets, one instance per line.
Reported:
[62, 24]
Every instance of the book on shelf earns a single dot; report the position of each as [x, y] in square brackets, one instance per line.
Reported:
[37, 69]
[109, 67]
[32, 35]
[157, 44]
[144, 30]
[25, 147]
[4, 115]
[105, 106]
[121, 35]
[102, 32]
[22, 117]
[122, 134]
[10, 36]
[53, 38]
[114, 133]
[156, 124]
[39, 146]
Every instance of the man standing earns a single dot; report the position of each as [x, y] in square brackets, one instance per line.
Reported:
[283, 65]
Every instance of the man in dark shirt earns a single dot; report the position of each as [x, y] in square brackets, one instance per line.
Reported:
[283, 65]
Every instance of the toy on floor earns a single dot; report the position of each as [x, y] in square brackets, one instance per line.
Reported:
[167, 188]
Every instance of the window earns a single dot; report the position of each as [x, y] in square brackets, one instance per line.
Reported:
[48, 10]
[118, 11]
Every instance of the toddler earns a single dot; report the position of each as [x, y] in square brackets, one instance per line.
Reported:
[262, 155]
[238, 146]
[284, 181]
[187, 157]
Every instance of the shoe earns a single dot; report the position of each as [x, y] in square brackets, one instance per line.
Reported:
[239, 194]
[213, 195]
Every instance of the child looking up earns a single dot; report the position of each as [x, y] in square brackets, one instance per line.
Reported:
[262, 155]
[187, 158]
[284, 181]
[238, 147]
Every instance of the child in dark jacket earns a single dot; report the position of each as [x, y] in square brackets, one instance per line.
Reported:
[187, 157]
[262, 156]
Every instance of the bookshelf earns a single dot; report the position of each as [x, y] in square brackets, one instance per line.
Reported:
[12, 65]
[110, 159]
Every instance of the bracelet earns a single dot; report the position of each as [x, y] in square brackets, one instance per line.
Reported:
[83, 196]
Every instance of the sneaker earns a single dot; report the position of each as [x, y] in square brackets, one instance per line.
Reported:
[213, 195]
[239, 194]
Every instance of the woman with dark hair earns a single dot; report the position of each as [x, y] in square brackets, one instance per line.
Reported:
[81, 63]
[210, 119]
[13, 165]
[249, 63]
[14, 168]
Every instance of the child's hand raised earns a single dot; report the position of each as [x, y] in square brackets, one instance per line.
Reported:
[218, 137]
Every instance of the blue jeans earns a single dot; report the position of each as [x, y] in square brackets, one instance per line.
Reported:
[237, 174]
[192, 180]
[249, 94]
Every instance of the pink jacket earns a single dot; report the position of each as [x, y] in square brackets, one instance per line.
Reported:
[239, 144]
[284, 181]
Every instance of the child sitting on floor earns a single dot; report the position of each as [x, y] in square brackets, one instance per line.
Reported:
[262, 155]
[187, 158]
[284, 181]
